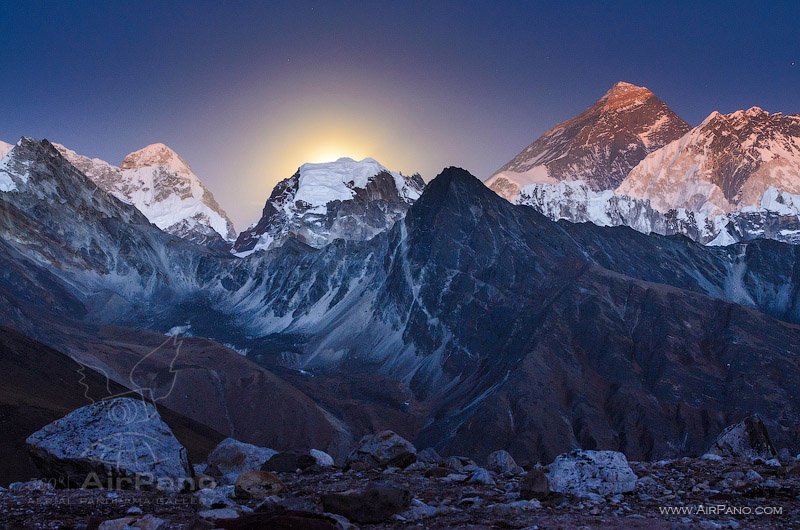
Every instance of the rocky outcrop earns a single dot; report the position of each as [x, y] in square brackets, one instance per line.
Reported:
[585, 473]
[383, 449]
[747, 439]
[121, 442]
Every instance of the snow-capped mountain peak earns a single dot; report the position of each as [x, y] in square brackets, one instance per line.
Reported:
[726, 163]
[159, 155]
[162, 185]
[599, 146]
[346, 198]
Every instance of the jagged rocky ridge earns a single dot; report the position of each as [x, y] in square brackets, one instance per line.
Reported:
[469, 313]
[346, 199]
[160, 183]
[777, 216]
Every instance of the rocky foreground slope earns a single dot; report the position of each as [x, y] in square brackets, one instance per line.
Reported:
[385, 482]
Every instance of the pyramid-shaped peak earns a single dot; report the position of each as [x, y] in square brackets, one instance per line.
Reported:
[157, 154]
[624, 94]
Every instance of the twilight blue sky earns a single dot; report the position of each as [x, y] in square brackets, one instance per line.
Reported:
[247, 91]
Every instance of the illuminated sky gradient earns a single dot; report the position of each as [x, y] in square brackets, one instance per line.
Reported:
[247, 91]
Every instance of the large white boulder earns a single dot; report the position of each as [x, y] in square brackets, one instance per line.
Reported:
[587, 473]
[117, 443]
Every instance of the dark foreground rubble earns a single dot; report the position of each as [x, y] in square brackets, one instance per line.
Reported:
[684, 493]
[385, 482]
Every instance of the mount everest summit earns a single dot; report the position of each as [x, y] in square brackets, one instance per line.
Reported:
[732, 178]
[599, 146]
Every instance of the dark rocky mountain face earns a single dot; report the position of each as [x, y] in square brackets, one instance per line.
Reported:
[599, 146]
[470, 312]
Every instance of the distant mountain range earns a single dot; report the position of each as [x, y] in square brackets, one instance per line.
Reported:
[629, 160]
[468, 324]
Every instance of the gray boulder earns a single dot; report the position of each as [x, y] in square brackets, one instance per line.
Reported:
[429, 456]
[383, 449]
[502, 462]
[589, 473]
[289, 462]
[376, 504]
[747, 439]
[118, 443]
[323, 459]
[231, 458]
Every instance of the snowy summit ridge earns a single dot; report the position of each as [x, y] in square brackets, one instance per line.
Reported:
[347, 199]
[162, 185]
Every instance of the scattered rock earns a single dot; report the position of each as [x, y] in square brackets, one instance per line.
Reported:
[429, 456]
[502, 462]
[753, 476]
[323, 459]
[482, 476]
[373, 505]
[535, 485]
[437, 472]
[134, 510]
[417, 467]
[219, 513]
[232, 457]
[32, 486]
[382, 450]
[148, 522]
[712, 457]
[275, 504]
[289, 462]
[120, 443]
[583, 473]
[419, 510]
[458, 463]
[258, 485]
[285, 520]
[219, 497]
[746, 439]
